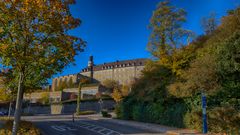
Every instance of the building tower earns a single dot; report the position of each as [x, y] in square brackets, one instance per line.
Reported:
[90, 66]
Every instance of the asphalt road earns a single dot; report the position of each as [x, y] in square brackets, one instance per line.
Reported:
[63, 125]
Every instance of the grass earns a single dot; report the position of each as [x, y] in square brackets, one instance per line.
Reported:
[86, 112]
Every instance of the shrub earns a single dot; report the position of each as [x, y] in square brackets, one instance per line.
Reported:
[193, 119]
[118, 111]
[86, 112]
[106, 114]
[174, 115]
[25, 128]
[154, 112]
[137, 112]
[224, 120]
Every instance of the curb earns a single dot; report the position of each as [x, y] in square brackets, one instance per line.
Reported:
[150, 126]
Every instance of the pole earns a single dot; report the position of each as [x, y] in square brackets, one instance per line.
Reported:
[204, 112]
[18, 110]
[79, 98]
[73, 118]
[9, 109]
[100, 103]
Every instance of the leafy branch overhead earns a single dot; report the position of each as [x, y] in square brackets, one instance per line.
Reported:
[33, 35]
[35, 42]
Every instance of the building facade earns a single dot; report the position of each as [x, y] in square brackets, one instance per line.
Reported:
[123, 72]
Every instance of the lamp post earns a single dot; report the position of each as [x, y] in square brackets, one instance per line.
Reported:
[79, 98]
[100, 103]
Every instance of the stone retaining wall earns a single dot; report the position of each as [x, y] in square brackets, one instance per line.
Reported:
[69, 108]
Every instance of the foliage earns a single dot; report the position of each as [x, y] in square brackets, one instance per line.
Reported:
[229, 59]
[116, 90]
[117, 95]
[167, 32]
[193, 119]
[35, 42]
[224, 119]
[26, 128]
[44, 98]
[86, 113]
[106, 114]
[110, 85]
[209, 23]
[125, 90]
[4, 96]
[169, 92]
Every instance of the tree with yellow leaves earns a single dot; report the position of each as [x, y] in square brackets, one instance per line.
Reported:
[4, 96]
[34, 41]
[117, 95]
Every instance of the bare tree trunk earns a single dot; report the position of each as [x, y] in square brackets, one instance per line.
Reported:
[18, 110]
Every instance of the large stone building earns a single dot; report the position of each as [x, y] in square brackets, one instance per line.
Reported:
[122, 71]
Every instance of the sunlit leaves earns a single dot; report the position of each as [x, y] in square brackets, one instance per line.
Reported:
[34, 36]
[167, 33]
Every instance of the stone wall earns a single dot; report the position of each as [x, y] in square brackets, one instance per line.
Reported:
[69, 108]
[36, 110]
[123, 75]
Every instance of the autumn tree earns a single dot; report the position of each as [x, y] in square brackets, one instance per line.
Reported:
[44, 98]
[125, 90]
[111, 85]
[4, 96]
[34, 40]
[117, 95]
[167, 32]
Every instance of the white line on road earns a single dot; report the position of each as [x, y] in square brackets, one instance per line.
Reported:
[62, 128]
[91, 127]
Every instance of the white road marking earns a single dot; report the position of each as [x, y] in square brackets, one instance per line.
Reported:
[91, 127]
[63, 128]
[58, 128]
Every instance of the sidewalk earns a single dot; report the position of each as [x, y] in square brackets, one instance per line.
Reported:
[1, 124]
[148, 126]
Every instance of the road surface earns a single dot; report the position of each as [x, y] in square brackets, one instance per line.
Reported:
[63, 125]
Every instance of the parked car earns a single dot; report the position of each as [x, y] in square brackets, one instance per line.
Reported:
[2, 113]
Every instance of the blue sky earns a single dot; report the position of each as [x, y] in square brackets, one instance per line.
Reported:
[117, 29]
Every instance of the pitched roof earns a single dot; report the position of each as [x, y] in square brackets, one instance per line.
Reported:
[117, 64]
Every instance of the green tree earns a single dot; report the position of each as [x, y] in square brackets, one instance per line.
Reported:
[34, 41]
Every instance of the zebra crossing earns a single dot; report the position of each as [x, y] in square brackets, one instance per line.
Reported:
[95, 128]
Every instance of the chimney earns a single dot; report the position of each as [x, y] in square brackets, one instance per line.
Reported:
[90, 65]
